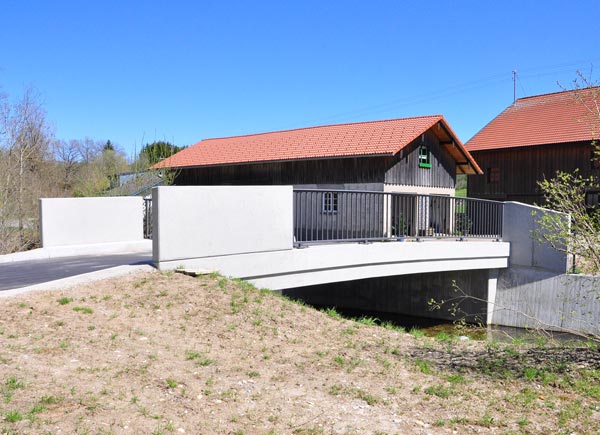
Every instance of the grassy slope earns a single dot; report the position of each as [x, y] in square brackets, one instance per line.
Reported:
[160, 353]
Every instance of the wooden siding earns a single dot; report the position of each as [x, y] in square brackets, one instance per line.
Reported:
[400, 169]
[326, 171]
[521, 168]
[404, 167]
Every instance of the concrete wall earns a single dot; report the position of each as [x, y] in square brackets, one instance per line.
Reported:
[407, 295]
[529, 298]
[534, 291]
[421, 190]
[383, 187]
[519, 227]
[77, 221]
[376, 187]
[192, 222]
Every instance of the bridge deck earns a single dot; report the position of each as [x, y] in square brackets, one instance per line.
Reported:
[321, 264]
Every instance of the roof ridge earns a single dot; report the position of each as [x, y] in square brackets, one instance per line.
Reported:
[558, 92]
[514, 105]
[538, 120]
[322, 126]
[355, 139]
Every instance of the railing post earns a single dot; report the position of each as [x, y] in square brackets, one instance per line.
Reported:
[416, 216]
[387, 215]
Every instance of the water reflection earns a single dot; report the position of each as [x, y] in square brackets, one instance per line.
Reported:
[447, 329]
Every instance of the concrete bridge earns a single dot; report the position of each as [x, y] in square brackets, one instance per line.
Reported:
[373, 251]
[252, 232]
[259, 233]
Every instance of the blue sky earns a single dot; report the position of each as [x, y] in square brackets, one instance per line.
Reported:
[138, 71]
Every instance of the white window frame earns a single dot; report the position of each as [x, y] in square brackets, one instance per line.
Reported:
[329, 203]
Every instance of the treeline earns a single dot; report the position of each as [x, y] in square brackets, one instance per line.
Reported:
[34, 164]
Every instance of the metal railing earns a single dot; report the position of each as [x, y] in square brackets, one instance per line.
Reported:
[147, 218]
[325, 216]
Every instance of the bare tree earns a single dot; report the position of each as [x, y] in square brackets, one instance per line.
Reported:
[67, 156]
[587, 93]
[88, 149]
[24, 143]
[98, 166]
[33, 165]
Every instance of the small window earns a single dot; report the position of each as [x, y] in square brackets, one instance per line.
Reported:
[424, 157]
[330, 202]
[493, 175]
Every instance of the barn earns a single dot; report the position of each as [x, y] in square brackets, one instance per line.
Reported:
[531, 140]
[360, 180]
[414, 155]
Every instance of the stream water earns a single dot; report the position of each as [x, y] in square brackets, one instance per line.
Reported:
[445, 328]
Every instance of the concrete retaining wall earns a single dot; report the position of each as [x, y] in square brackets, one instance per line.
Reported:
[528, 298]
[519, 227]
[81, 221]
[534, 291]
[191, 222]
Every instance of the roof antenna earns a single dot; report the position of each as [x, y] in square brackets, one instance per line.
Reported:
[514, 73]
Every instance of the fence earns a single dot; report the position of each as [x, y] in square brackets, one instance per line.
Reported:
[147, 218]
[322, 216]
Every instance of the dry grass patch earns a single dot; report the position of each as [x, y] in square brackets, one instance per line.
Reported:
[166, 353]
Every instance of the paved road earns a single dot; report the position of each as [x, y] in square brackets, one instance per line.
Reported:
[26, 273]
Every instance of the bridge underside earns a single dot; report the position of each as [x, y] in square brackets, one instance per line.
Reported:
[458, 295]
[323, 264]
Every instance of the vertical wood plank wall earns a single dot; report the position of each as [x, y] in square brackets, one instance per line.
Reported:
[323, 171]
[521, 168]
[405, 168]
[400, 169]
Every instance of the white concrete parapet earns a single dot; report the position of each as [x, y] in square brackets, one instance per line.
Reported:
[84, 221]
[206, 221]
[520, 221]
[246, 232]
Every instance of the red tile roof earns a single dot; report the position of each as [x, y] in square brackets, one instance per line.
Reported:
[343, 140]
[543, 119]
